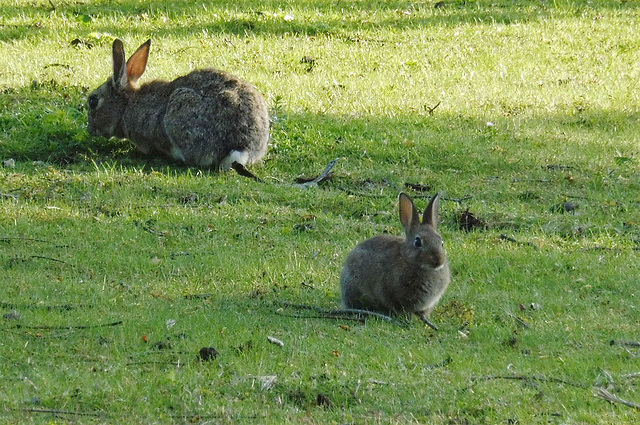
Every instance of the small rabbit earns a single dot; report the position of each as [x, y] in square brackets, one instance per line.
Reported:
[207, 118]
[391, 274]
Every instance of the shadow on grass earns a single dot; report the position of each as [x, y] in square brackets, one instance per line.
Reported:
[47, 122]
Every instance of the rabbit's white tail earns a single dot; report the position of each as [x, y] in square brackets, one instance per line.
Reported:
[240, 157]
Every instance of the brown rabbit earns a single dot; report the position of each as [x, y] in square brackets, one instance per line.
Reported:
[207, 118]
[391, 274]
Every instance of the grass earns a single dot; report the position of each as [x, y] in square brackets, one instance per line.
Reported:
[117, 269]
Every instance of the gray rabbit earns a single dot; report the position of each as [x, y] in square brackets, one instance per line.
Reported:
[207, 118]
[391, 274]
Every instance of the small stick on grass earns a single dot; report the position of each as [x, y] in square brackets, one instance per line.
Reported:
[606, 395]
[48, 258]
[51, 328]
[431, 109]
[519, 320]
[61, 412]
[504, 237]
[625, 343]
[43, 307]
[458, 200]
[443, 363]
[528, 378]
[426, 320]
[321, 177]
[352, 314]
[8, 195]
[19, 238]
[359, 312]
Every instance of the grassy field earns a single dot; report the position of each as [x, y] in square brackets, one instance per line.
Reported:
[117, 269]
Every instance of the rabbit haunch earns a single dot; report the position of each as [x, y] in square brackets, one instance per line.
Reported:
[395, 275]
[207, 118]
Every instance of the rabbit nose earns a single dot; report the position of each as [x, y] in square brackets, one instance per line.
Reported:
[436, 260]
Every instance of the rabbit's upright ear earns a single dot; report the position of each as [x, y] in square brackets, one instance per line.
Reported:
[430, 215]
[137, 63]
[409, 215]
[119, 74]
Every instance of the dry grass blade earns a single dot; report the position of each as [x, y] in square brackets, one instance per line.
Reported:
[606, 395]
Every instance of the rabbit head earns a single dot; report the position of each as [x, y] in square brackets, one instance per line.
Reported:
[423, 243]
[108, 102]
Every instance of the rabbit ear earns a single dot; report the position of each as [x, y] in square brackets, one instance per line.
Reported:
[430, 215]
[409, 215]
[137, 63]
[119, 74]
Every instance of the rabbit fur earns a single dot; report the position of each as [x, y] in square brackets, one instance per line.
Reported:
[207, 118]
[394, 275]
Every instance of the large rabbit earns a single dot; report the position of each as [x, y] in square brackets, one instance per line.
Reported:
[391, 274]
[207, 118]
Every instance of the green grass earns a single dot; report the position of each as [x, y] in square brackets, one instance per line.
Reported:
[117, 268]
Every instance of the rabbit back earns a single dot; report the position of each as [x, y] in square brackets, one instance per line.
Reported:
[200, 119]
[206, 118]
[211, 114]
[366, 276]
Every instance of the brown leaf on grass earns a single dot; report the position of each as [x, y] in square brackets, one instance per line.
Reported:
[76, 42]
[208, 353]
[468, 221]
[324, 401]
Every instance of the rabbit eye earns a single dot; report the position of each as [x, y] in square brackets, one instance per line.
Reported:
[93, 102]
[417, 242]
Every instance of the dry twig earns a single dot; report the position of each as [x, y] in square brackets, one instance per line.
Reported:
[340, 314]
[41, 257]
[505, 237]
[528, 378]
[606, 395]
[321, 177]
[519, 320]
[44, 307]
[61, 412]
[431, 109]
[625, 343]
[44, 327]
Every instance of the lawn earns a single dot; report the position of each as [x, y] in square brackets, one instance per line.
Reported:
[118, 269]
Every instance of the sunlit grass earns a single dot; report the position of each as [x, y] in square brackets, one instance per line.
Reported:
[509, 109]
